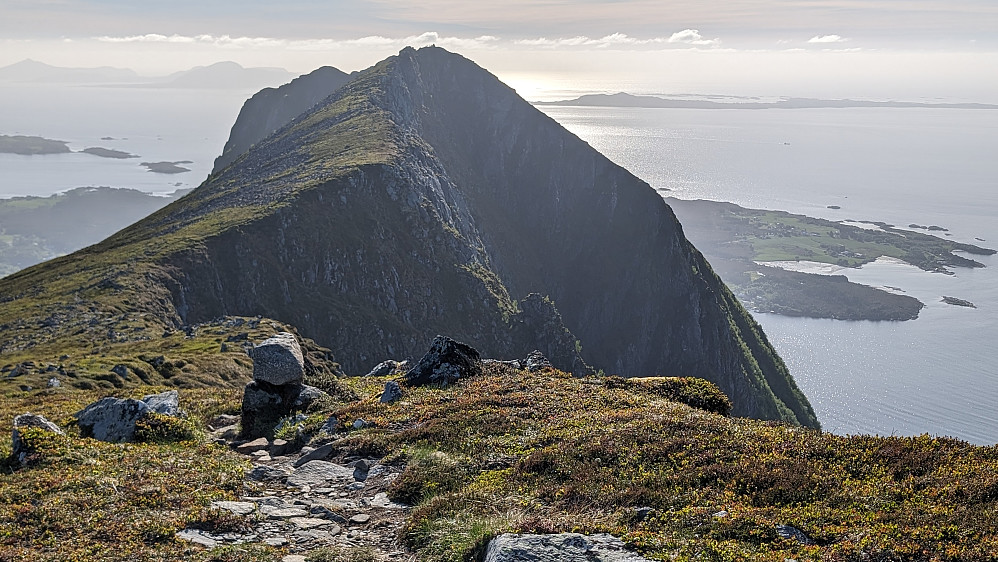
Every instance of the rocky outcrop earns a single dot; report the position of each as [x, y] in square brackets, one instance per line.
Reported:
[113, 419]
[446, 362]
[564, 547]
[272, 108]
[276, 390]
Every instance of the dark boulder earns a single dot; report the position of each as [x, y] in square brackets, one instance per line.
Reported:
[445, 363]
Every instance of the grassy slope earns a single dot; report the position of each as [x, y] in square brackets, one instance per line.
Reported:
[542, 452]
[513, 451]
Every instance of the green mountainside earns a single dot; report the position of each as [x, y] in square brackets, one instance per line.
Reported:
[422, 197]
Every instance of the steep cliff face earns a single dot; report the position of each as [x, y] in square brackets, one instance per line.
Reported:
[272, 108]
[425, 197]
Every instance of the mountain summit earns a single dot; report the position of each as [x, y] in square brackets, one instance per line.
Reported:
[423, 197]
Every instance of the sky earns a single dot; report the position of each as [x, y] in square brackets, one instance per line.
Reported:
[897, 49]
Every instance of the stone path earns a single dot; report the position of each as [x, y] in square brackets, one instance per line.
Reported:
[304, 501]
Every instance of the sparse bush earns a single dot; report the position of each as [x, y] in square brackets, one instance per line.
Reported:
[160, 428]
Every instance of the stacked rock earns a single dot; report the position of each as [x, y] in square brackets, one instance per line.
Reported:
[277, 389]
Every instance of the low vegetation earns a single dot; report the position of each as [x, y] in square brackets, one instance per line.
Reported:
[655, 461]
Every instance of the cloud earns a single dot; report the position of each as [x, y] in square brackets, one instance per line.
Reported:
[692, 37]
[427, 38]
[827, 39]
[687, 36]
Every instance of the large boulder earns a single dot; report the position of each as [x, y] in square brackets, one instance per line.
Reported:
[278, 360]
[113, 419]
[25, 421]
[445, 363]
[564, 547]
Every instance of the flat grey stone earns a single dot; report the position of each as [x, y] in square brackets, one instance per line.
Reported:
[253, 446]
[239, 508]
[310, 522]
[316, 473]
[286, 513]
[197, 537]
[275, 541]
[315, 454]
[564, 547]
[360, 519]
[265, 473]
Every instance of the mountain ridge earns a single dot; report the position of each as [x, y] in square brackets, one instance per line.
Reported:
[397, 209]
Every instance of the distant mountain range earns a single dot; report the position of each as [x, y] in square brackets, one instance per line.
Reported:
[221, 75]
[622, 99]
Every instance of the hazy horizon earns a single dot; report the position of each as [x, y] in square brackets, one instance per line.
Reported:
[889, 49]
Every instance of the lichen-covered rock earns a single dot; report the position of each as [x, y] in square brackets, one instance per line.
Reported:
[278, 360]
[445, 363]
[111, 419]
[25, 421]
[392, 393]
[564, 547]
[166, 403]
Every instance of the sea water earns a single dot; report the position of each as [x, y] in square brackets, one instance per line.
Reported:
[154, 124]
[937, 374]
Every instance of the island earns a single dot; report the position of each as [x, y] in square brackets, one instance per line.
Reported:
[623, 99]
[958, 302]
[29, 145]
[167, 167]
[108, 152]
[744, 246]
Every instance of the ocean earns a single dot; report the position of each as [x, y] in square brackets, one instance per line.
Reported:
[937, 374]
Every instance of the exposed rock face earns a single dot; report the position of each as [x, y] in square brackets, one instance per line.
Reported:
[24, 421]
[113, 419]
[272, 108]
[278, 360]
[445, 363]
[565, 547]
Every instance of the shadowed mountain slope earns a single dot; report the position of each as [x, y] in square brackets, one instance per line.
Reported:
[424, 197]
[272, 108]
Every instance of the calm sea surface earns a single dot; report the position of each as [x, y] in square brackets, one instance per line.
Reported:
[937, 374]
